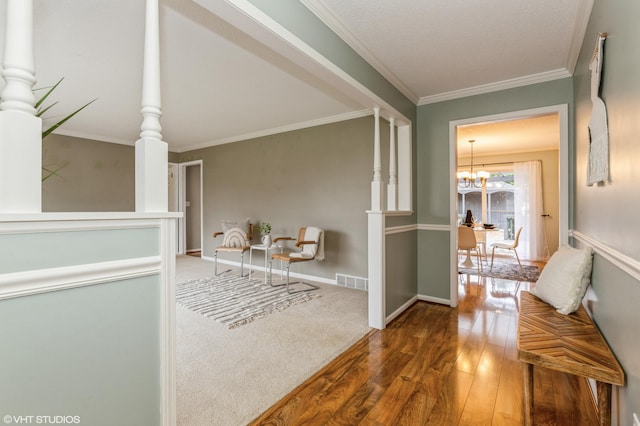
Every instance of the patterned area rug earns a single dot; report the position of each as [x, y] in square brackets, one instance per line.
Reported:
[506, 271]
[234, 301]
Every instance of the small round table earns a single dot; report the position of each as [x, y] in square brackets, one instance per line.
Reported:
[272, 247]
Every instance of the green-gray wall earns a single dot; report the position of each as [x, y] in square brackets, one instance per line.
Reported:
[319, 176]
[92, 351]
[605, 212]
[91, 176]
[433, 166]
[295, 17]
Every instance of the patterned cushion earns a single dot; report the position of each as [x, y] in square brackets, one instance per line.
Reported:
[235, 237]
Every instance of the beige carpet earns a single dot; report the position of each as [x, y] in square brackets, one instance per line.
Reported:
[228, 377]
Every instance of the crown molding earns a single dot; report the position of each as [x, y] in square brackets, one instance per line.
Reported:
[582, 22]
[542, 77]
[94, 137]
[276, 130]
[337, 26]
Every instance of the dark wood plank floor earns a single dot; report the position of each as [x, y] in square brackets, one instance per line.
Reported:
[435, 365]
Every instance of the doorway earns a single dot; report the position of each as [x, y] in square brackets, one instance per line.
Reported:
[456, 129]
[174, 197]
[190, 203]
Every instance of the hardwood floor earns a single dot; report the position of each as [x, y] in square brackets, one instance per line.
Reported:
[434, 365]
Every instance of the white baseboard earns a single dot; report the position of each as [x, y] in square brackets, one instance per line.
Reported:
[401, 309]
[434, 300]
[275, 270]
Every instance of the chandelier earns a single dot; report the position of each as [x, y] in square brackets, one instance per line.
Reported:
[471, 179]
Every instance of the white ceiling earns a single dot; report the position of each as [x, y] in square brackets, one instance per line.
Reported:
[219, 85]
[539, 133]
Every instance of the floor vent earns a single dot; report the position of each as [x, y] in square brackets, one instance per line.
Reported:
[350, 281]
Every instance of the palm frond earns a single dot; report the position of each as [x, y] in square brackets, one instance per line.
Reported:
[64, 120]
[45, 96]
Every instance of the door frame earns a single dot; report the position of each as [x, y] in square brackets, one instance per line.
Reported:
[182, 200]
[563, 178]
[175, 193]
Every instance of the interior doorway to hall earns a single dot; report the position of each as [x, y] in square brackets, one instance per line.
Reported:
[186, 196]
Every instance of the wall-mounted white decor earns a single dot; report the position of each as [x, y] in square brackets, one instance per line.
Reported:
[598, 165]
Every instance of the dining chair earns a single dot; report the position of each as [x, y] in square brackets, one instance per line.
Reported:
[467, 241]
[511, 245]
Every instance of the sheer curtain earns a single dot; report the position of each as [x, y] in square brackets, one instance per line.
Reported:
[527, 177]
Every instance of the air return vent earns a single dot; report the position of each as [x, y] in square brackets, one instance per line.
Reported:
[350, 281]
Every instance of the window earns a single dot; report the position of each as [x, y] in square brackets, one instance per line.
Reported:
[491, 204]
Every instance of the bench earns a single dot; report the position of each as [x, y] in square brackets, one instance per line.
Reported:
[567, 343]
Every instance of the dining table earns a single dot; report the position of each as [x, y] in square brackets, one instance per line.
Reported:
[487, 236]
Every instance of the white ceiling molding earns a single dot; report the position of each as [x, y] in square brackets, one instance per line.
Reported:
[332, 21]
[244, 15]
[94, 137]
[493, 87]
[582, 21]
[283, 129]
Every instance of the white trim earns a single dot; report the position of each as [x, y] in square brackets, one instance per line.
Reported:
[437, 300]
[77, 226]
[405, 169]
[276, 130]
[433, 227]
[527, 80]
[376, 269]
[16, 284]
[396, 212]
[317, 279]
[182, 200]
[622, 261]
[400, 229]
[563, 176]
[401, 309]
[168, 349]
[244, 15]
[94, 137]
[579, 30]
[84, 216]
[338, 27]
[416, 227]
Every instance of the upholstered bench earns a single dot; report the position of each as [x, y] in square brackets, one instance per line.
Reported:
[568, 343]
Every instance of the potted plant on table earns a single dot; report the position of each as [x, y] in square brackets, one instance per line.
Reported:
[264, 228]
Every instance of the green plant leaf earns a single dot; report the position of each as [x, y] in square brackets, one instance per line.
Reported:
[50, 173]
[64, 120]
[39, 113]
[45, 96]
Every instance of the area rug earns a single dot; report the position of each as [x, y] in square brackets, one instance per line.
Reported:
[506, 271]
[234, 301]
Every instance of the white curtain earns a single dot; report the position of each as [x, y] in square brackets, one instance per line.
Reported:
[529, 209]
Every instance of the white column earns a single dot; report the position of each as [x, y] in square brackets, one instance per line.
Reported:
[392, 186]
[404, 168]
[377, 186]
[152, 153]
[20, 129]
[376, 270]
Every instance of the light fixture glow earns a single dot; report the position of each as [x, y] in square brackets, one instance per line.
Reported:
[471, 179]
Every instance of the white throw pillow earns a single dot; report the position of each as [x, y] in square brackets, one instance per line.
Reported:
[230, 224]
[564, 280]
[235, 237]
